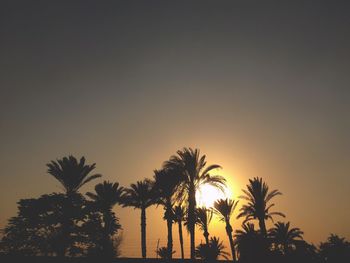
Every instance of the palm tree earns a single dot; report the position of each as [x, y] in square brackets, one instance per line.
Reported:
[251, 245]
[141, 196]
[72, 175]
[166, 182]
[212, 251]
[335, 250]
[305, 252]
[106, 197]
[163, 253]
[224, 208]
[285, 238]
[204, 217]
[258, 197]
[179, 217]
[194, 172]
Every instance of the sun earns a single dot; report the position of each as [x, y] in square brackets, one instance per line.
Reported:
[207, 194]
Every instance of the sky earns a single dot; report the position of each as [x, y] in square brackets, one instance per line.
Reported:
[261, 88]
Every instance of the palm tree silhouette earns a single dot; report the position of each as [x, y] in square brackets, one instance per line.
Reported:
[193, 173]
[212, 251]
[72, 175]
[251, 245]
[204, 216]
[179, 216]
[285, 238]
[258, 197]
[141, 196]
[166, 182]
[224, 208]
[106, 197]
[163, 253]
[335, 250]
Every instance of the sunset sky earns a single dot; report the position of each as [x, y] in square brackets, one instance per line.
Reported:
[261, 88]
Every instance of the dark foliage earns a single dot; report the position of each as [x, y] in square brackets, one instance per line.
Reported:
[284, 239]
[106, 197]
[335, 250]
[37, 228]
[211, 251]
[163, 253]
[252, 246]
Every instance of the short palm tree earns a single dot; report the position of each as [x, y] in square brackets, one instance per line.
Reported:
[163, 253]
[141, 196]
[251, 245]
[224, 208]
[212, 251]
[179, 217]
[258, 197]
[166, 182]
[285, 238]
[194, 172]
[204, 216]
[72, 175]
[106, 197]
[248, 230]
[335, 250]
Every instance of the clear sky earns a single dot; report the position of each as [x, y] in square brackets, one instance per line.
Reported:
[261, 88]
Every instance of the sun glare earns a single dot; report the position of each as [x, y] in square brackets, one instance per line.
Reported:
[207, 194]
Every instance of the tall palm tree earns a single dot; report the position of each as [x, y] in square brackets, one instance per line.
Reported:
[204, 216]
[258, 197]
[179, 217]
[285, 238]
[106, 197]
[224, 208]
[166, 182]
[141, 196]
[72, 175]
[194, 173]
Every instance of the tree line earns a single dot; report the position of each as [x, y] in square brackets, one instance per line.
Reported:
[70, 224]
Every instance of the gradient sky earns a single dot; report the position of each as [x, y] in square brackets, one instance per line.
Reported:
[261, 88]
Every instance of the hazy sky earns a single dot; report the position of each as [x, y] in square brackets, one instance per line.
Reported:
[261, 88]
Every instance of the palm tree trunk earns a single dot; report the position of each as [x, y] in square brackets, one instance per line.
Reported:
[61, 248]
[170, 237]
[66, 224]
[191, 218]
[181, 240]
[265, 244]
[169, 219]
[206, 236]
[262, 227]
[143, 232]
[107, 246]
[232, 245]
